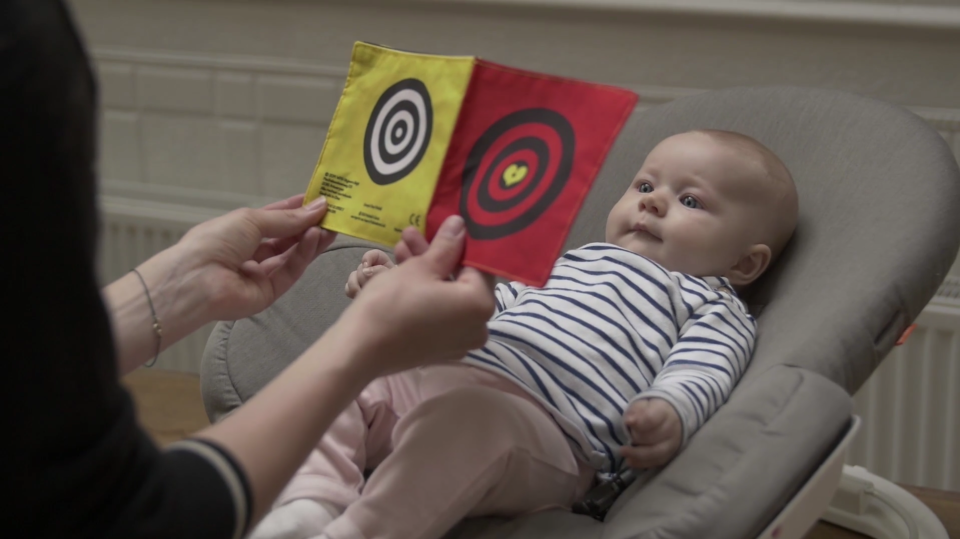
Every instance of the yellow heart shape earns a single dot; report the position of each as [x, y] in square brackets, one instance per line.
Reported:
[514, 174]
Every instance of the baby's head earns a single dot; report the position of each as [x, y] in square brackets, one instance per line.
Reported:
[708, 203]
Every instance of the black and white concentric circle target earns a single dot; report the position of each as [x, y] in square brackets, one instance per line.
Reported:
[398, 131]
[515, 171]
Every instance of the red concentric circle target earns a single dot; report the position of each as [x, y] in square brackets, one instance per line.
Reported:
[515, 171]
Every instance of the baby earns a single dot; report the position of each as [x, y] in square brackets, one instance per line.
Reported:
[626, 351]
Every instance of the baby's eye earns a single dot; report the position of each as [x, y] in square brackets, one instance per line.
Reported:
[646, 188]
[690, 202]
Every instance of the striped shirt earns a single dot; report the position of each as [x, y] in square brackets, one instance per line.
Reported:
[610, 327]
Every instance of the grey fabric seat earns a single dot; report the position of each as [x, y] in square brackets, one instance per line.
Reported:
[879, 229]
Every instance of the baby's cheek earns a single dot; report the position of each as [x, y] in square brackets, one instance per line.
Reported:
[709, 257]
[694, 258]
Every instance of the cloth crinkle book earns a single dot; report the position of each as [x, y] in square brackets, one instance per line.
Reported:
[419, 137]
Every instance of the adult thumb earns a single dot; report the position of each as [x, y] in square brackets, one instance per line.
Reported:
[446, 249]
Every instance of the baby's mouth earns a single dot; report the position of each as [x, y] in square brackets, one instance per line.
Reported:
[639, 228]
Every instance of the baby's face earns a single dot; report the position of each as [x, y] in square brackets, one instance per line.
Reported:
[693, 207]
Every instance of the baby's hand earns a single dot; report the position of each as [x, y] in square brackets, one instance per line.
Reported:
[655, 432]
[373, 263]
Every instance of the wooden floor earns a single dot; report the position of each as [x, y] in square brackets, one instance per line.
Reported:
[169, 405]
[170, 408]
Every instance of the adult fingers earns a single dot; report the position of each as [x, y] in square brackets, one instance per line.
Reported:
[314, 241]
[444, 254]
[490, 280]
[294, 262]
[287, 204]
[478, 291]
[415, 241]
[277, 246]
[482, 282]
[283, 223]
[401, 251]
[411, 244]
[274, 246]
[327, 237]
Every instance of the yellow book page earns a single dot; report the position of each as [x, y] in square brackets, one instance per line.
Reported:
[387, 142]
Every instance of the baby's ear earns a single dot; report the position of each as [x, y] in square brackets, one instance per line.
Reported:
[751, 265]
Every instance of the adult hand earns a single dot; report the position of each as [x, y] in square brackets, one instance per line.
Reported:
[416, 314]
[408, 316]
[412, 243]
[248, 258]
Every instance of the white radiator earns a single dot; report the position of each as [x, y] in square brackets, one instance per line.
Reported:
[911, 405]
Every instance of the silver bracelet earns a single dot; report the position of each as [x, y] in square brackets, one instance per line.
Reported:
[157, 328]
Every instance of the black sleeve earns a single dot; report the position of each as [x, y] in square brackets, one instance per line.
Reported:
[73, 460]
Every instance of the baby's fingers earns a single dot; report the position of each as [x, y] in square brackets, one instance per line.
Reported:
[352, 286]
[645, 417]
[376, 257]
[648, 456]
[365, 274]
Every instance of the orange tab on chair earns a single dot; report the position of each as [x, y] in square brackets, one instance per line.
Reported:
[906, 334]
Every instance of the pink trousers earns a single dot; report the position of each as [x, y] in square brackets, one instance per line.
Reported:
[448, 442]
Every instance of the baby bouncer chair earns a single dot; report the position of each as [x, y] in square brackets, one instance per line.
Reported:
[879, 228]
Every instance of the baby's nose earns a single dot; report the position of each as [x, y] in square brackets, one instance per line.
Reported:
[651, 204]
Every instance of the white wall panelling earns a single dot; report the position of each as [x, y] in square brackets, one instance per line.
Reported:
[185, 138]
[219, 125]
